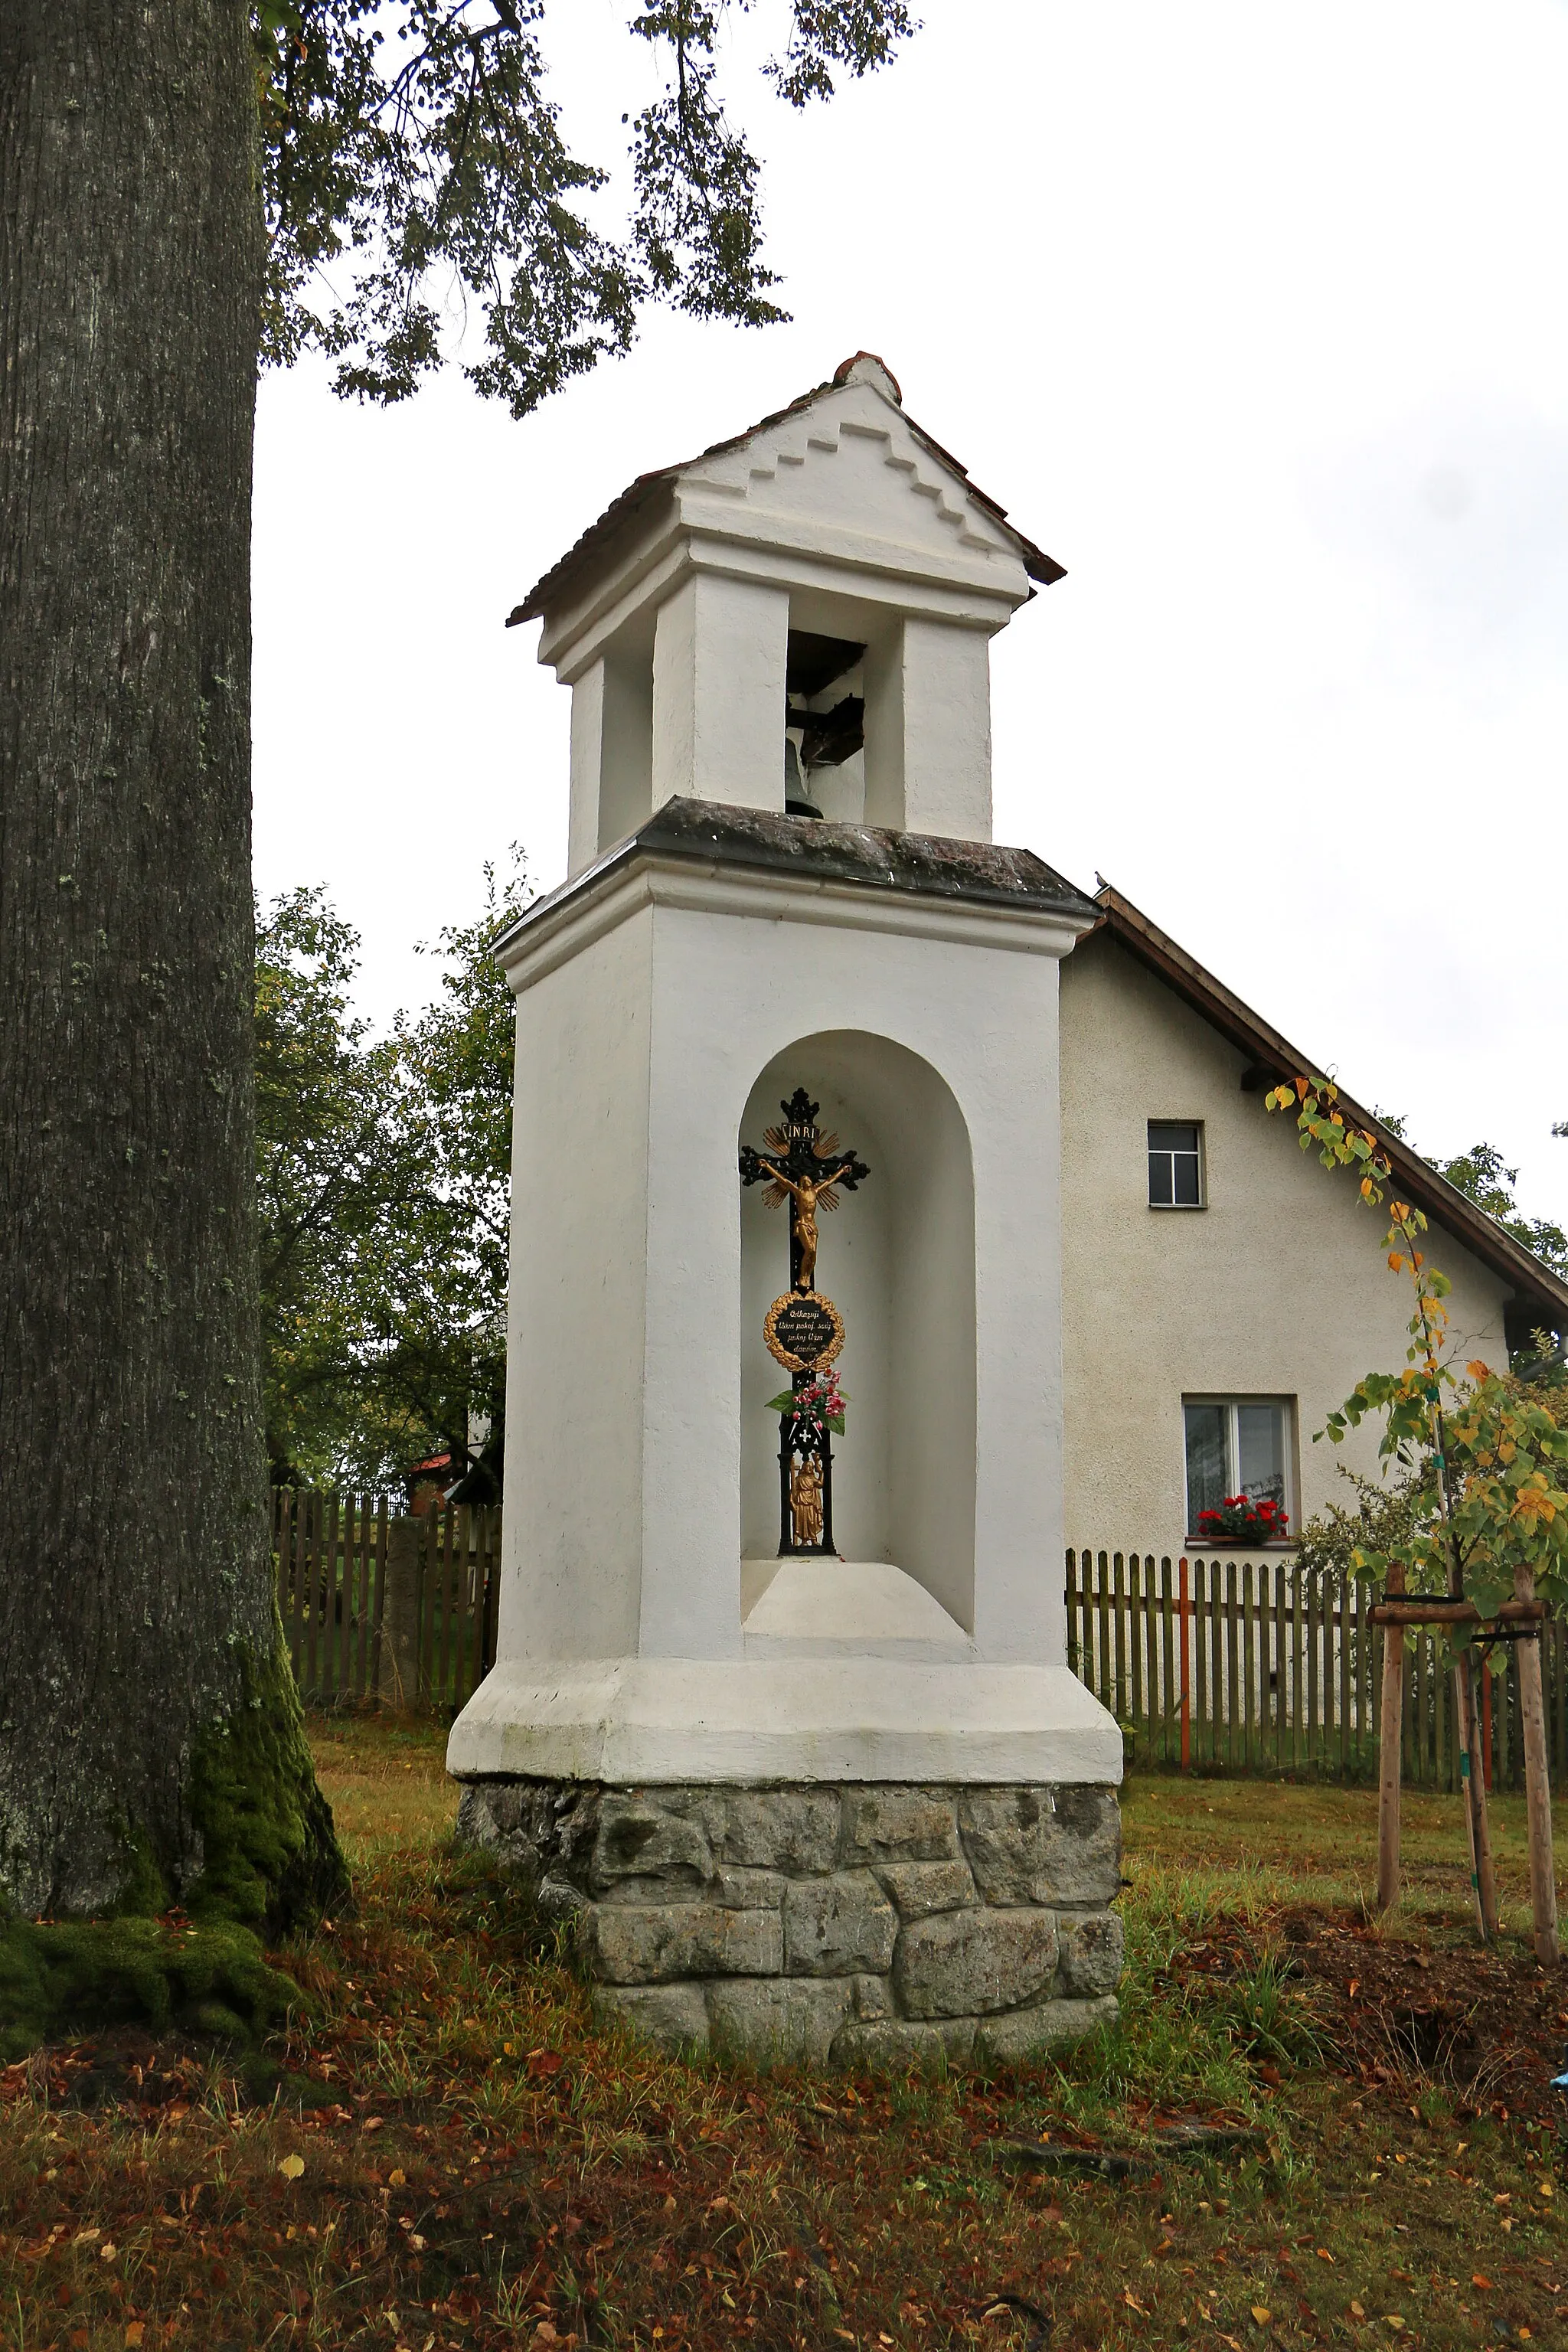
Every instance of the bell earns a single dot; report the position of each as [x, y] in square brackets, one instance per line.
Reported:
[795, 801]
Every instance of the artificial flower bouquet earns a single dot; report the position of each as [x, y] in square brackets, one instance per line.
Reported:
[820, 1401]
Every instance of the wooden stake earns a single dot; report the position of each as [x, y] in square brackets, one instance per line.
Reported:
[1388, 1754]
[1537, 1788]
[1473, 1788]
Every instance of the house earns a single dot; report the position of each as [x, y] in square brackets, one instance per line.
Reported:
[1221, 1291]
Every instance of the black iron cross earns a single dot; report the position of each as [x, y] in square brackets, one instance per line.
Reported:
[798, 1150]
[803, 1165]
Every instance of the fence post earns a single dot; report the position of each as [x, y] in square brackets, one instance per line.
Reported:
[1184, 1608]
[397, 1675]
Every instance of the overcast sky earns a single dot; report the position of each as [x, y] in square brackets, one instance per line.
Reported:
[1253, 313]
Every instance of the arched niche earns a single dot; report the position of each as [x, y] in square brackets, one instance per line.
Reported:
[897, 1259]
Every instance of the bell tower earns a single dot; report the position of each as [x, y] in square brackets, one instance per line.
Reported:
[782, 1715]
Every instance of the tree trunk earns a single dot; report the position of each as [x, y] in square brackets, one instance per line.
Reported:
[148, 1748]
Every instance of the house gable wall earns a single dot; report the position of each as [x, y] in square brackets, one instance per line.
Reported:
[1277, 1287]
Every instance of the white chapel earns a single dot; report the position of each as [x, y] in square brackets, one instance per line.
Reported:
[824, 1785]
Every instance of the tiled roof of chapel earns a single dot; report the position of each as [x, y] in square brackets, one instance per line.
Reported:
[639, 494]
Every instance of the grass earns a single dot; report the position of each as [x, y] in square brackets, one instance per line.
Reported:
[448, 2156]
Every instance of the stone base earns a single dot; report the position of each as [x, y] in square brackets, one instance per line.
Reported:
[872, 1922]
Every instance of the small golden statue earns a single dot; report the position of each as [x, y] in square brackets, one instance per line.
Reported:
[806, 1503]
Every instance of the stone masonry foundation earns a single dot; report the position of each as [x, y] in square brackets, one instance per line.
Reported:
[872, 1923]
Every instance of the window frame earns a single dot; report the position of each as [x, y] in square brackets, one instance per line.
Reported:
[1232, 1399]
[1163, 1207]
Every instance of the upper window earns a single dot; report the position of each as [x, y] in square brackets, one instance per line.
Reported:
[1237, 1448]
[1175, 1165]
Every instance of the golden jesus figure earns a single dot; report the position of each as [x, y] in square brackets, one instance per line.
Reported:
[807, 1192]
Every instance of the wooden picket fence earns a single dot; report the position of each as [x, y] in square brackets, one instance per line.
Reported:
[1216, 1664]
[383, 1609]
[1258, 1666]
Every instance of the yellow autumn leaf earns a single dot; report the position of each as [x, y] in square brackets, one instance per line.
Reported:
[292, 2167]
[1261, 2313]
[1477, 1371]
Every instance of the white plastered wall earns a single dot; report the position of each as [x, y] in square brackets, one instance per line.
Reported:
[623, 1399]
[1277, 1287]
[575, 1307]
[928, 731]
[719, 691]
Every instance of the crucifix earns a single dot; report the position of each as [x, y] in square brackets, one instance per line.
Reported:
[803, 1165]
[803, 1330]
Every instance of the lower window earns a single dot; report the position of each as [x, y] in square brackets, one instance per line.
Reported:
[1238, 1452]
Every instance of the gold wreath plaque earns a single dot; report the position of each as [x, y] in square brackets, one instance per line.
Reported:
[802, 1330]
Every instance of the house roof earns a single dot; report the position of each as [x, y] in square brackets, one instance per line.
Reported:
[1273, 1061]
[651, 490]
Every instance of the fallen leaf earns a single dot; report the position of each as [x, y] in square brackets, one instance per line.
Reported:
[371, 2123]
[397, 2180]
[1356, 2311]
[107, 2251]
[1477, 2280]
[292, 2167]
[1325, 2255]
[1130, 2300]
[1261, 2313]
[1392, 2319]
[135, 2329]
